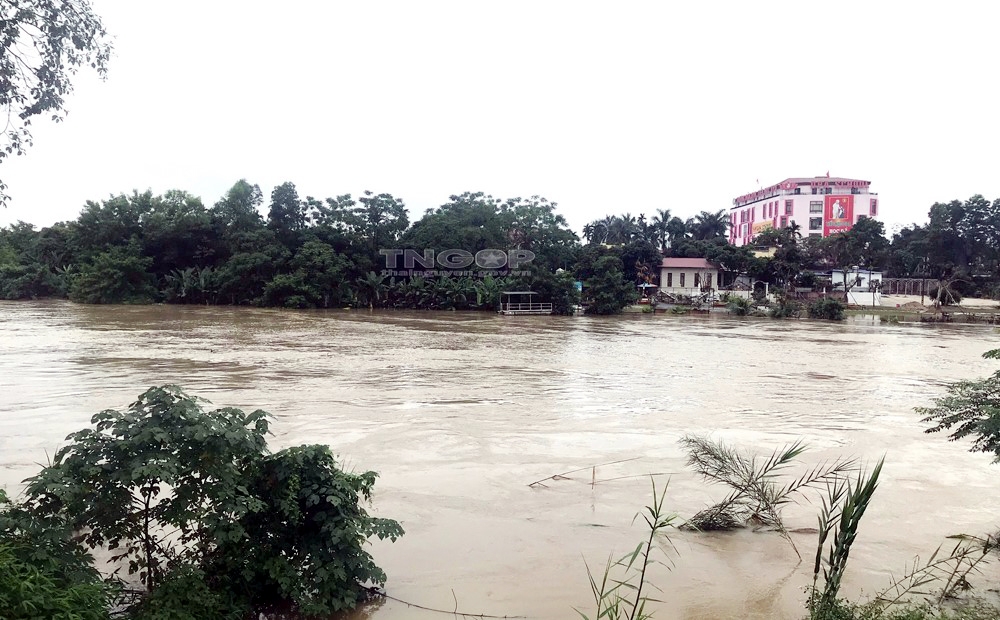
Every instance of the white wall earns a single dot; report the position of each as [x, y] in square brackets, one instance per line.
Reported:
[800, 212]
[689, 287]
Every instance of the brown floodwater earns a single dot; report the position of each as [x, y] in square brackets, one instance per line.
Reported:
[460, 412]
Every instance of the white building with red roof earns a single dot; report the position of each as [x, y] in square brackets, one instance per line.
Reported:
[821, 206]
[689, 276]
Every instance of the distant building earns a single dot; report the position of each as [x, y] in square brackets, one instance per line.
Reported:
[821, 206]
[865, 285]
[689, 276]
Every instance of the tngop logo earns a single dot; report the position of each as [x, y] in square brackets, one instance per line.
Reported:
[456, 259]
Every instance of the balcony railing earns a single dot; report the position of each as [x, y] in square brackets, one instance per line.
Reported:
[527, 307]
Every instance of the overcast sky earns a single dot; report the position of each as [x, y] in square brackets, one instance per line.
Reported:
[601, 107]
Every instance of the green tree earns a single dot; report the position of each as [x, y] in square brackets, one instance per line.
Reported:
[708, 225]
[192, 501]
[971, 409]
[470, 222]
[258, 259]
[380, 219]
[320, 265]
[532, 224]
[45, 42]
[238, 211]
[119, 275]
[113, 222]
[557, 288]
[287, 214]
[608, 292]
[177, 233]
[661, 228]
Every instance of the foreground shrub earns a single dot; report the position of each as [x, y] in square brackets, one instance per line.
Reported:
[307, 537]
[971, 409]
[43, 574]
[193, 504]
[826, 308]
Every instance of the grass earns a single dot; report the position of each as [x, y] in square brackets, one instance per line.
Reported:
[843, 508]
[757, 493]
[621, 593]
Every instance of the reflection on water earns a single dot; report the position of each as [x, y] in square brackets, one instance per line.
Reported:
[460, 412]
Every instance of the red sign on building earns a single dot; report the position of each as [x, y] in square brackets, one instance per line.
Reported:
[838, 214]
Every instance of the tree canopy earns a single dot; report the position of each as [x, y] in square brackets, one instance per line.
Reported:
[330, 253]
[45, 43]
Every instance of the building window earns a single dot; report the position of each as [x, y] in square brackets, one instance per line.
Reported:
[788, 207]
[816, 206]
[815, 223]
[670, 279]
[682, 279]
[784, 221]
[697, 280]
[874, 206]
[718, 279]
[814, 190]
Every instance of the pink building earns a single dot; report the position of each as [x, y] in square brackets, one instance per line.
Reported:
[821, 206]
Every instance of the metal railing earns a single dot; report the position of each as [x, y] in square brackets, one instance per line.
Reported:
[525, 307]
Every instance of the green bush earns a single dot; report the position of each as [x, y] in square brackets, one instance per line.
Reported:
[43, 573]
[185, 594]
[306, 542]
[254, 531]
[739, 306]
[826, 308]
[117, 276]
[956, 297]
[785, 308]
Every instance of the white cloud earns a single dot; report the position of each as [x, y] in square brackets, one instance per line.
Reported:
[603, 108]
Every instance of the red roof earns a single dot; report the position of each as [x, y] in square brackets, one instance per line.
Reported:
[688, 263]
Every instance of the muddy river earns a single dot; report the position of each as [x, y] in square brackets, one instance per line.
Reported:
[461, 412]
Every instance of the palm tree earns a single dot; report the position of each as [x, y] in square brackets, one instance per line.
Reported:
[794, 230]
[677, 229]
[659, 226]
[597, 231]
[707, 225]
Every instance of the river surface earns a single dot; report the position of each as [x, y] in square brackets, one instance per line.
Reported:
[459, 413]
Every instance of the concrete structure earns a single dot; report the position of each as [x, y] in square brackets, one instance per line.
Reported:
[821, 206]
[865, 286]
[689, 276]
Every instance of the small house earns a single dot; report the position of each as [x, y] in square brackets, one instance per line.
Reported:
[689, 276]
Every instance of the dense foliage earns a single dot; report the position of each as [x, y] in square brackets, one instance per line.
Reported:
[43, 574]
[310, 253]
[970, 410]
[306, 253]
[826, 308]
[194, 506]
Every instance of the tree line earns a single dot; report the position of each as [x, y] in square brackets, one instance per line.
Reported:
[312, 253]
